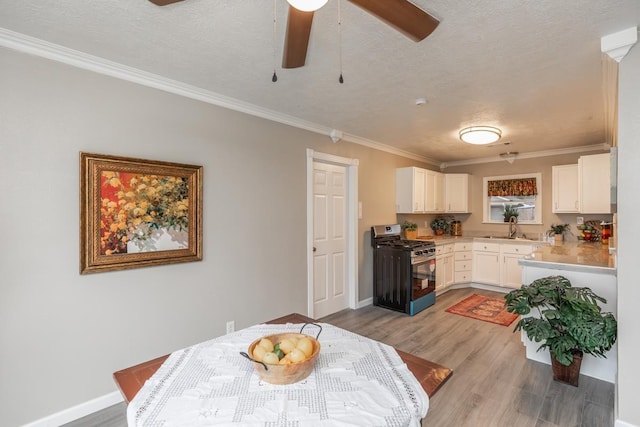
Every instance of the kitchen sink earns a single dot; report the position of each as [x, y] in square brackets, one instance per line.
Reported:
[506, 238]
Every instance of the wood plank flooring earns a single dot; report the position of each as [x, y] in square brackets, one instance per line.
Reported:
[493, 384]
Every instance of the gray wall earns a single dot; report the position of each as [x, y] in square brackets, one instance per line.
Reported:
[62, 335]
[628, 238]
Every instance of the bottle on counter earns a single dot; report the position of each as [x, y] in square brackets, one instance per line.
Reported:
[605, 232]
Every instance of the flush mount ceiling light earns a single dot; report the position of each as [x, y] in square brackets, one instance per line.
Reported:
[307, 5]
[480, 135]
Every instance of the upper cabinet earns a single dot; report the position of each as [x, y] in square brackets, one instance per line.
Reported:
[457, 192]
[425, 191]
[566, 194]
[583, 188]
[594, 176]
[434, 194]
[410, 190]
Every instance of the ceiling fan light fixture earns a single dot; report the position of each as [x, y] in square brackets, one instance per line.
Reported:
[480, 135]
[307, 5]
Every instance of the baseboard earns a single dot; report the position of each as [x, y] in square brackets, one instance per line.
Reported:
[365, 302]
[78, 411]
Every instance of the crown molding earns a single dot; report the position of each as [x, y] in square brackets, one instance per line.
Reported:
[386, 148]
[617, 45]
[38, 47]
[546, 153]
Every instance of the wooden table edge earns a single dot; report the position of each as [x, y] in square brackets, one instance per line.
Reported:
[430, 375]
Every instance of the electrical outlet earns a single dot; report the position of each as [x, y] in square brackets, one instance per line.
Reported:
[231, 326]
[579, 220]
[426, 224]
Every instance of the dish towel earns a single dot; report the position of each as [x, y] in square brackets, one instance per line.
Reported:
[356, 381]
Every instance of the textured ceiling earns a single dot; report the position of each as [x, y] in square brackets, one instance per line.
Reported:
[530, 67]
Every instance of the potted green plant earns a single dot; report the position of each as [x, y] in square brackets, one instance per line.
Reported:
[509, 211]
[569, 322]
[410, 230]
[558, 231]
[440, 225]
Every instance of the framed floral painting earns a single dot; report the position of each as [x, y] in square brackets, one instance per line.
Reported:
[138, 213]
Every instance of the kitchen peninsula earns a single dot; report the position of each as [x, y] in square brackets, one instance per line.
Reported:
[585, 265]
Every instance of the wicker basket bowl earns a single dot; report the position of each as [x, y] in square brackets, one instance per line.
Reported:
[285, 374]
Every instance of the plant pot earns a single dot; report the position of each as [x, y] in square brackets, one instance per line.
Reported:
[567, 374]
[439, 232]
[411, 234]
[559, 237]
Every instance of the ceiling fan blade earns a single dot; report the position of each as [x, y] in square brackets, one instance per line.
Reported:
[403, 15]
[297, 38]
[163, 2]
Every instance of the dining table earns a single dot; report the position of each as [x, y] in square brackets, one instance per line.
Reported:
[386, 384]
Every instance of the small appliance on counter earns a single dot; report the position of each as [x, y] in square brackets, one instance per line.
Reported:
[456, 228]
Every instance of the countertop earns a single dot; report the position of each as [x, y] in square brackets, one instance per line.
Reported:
[444, 239]
[575, 256]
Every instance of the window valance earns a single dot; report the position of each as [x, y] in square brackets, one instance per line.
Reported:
[512, 187]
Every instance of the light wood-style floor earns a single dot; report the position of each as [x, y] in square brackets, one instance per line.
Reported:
[493, 384]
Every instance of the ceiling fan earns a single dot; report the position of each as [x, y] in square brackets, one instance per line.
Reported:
[402, 15]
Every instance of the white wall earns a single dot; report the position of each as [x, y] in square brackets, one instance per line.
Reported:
[62, 335]
[628, 238]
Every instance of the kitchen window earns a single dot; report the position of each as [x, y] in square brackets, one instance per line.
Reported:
[521, 192]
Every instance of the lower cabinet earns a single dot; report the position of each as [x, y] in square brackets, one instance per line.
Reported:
[486, 263]
[511, 276]
[497, 263]
[463, 260]
[444, 266]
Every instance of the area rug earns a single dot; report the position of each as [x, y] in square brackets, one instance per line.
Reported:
[484, 308]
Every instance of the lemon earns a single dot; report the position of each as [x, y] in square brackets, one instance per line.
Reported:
[266, 343]
[296, 355]
[259, 352]
[286, 345]
[270, 358]
[306, 346]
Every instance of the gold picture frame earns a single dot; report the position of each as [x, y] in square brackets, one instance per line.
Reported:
[138, 213]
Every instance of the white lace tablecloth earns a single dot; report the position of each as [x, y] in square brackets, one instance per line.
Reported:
[356, 382]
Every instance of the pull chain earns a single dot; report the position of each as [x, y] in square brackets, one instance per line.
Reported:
[274, 78]
[341, 79]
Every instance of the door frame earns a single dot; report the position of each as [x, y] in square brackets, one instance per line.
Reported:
[351, 166]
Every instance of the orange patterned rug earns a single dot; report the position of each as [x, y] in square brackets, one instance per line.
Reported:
[484, 308]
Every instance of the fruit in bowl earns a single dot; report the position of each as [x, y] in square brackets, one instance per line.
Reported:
[291, 349]
[284, 358]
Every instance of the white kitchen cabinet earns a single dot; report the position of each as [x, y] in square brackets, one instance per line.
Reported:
[565, 189]
[456, 189]
[463, 262]
[410, 190]
[434, 192]
[445, 266]
[511, 271]
[486, 263]
[594, 175]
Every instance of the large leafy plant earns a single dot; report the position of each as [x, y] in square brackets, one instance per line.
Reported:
[569, 319]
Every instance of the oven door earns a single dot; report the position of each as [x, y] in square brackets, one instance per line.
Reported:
[423, 276]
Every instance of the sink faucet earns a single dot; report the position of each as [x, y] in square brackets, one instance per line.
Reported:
[513, 220]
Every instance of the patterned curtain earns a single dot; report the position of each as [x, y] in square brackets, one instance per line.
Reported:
[512, 187]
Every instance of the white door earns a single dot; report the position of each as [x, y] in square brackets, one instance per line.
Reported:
[329, 239]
